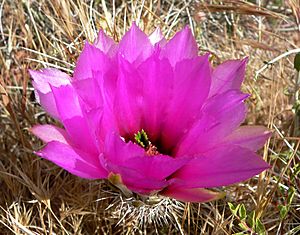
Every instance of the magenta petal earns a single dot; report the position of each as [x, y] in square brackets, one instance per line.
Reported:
[81, 135]
[119, 158]
[71, 160]
[128, 101]
[157, 89]
[91, 60]
[227, 164]
[181, 46]
[228, 75]
[106, 126]
[190, 89]
[88, 89]
[191, 195]
[49, 133]
[221, 115]
[135, 46]
[105, 44]
[67, 102]
[74, 119]
[117, 151]
[134, 180]
[47, 102]
[251, 137]
[42, 80]
[95, 89]
[156, 167]
[133, 157]
[139, 171]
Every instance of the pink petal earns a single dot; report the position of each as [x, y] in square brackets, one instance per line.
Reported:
[190, 89]
[228, 75]
[134, 180]
[128, 101]
[47, 102]
[135, 46]
[227, 164]
[105, 44]
[67, 101]
[157, 78]
[74, 119]
[107, 84]
[191, 195]
[156, 167]
[89, 91]
[181, 46]
[71, 160]
[220, 116]
[157, 38]
[90, 60]
[139, 171]
[82, 136]
[117, 151]
[50, 133]
[106, 126]
[119, 158]
[101, 85]
[251, 137]
[42, 80]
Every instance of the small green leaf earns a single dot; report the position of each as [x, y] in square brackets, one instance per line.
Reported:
[295, 172]
[260, 228]
[242, 212]
[251, 219]
[297, 62]
[282, 189]
[231, 206]
[234, 209]
[291, 194]
[243, 226]
[283, 210]
[296, 169]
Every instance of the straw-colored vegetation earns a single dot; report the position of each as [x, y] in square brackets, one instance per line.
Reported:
[37, 197]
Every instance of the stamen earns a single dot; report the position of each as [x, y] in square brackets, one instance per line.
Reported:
[152, 150]
[141, 139]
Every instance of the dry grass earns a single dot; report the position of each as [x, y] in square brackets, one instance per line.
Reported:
[37, 197]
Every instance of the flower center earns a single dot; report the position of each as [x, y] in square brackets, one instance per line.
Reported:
[142, 139]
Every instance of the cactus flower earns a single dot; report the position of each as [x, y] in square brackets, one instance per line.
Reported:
[150, 115]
